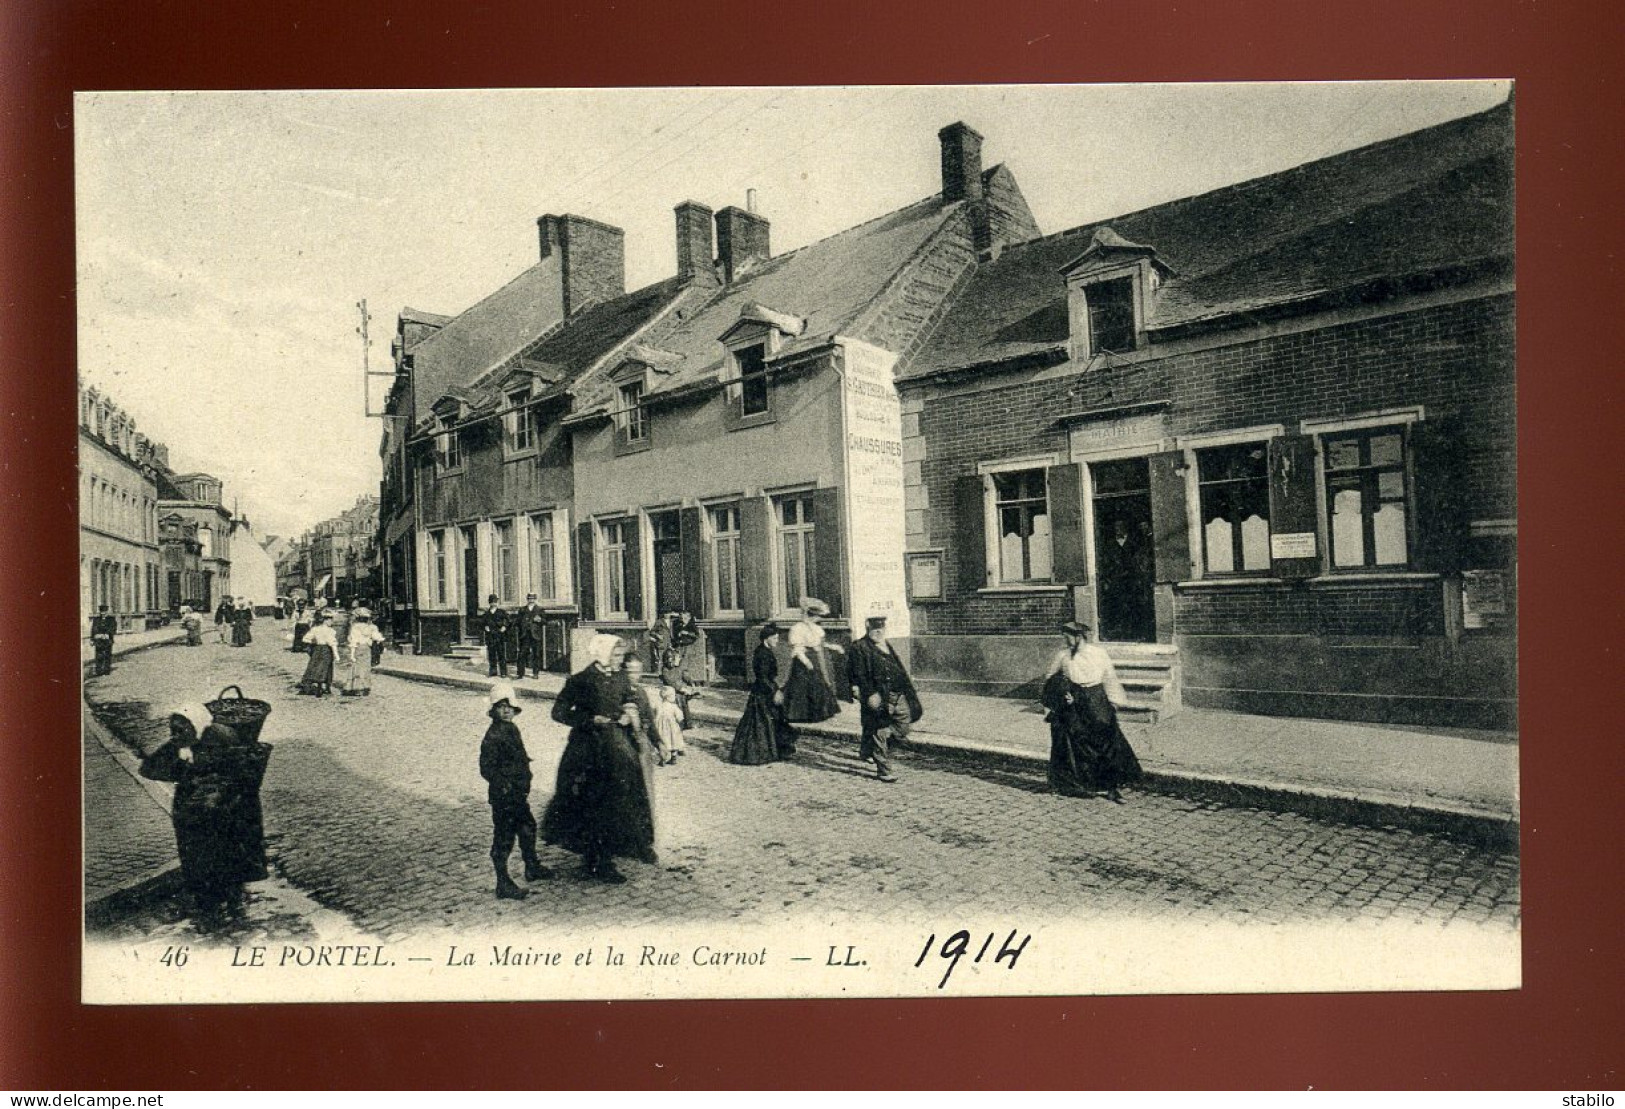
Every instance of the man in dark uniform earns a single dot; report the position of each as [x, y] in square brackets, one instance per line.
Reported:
[532, 626]
[494, 627]
[103, 627]
[886, 693]
[505, 766]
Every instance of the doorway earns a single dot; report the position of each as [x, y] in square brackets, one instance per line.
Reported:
[1124, 563]
[670, 590]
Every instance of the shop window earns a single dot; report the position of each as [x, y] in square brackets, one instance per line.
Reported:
[797, 571]
[519, 433]
[612, 555]
[543, 568]
[1234, 494]
[1020, 507]
[1366, 499]
[507, 561]
[727, 575]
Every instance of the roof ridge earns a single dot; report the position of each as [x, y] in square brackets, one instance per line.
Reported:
[1255, 182]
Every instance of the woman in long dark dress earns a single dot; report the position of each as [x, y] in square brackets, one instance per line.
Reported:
[1089, 754]
[600, 809]
[809, 691]
[219, 825]
[760, 737]
[323, 647]
[241, 636]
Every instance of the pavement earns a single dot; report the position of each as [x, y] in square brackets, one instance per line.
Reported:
[1459, 781]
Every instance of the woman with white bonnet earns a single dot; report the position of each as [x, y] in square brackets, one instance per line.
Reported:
[219, 829]
[363, 634]
[809, 690]
[600, 809]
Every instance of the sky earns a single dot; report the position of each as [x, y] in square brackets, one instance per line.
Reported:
[224, 239]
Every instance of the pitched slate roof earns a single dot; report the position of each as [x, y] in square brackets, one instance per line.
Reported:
[1426, 205]
[487, 334]
[828, 284]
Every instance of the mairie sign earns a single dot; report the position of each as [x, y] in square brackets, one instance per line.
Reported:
[872, 457]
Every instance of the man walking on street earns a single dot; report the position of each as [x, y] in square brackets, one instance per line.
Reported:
[103, 627]
[223, 617]
[532, 627]
[494, 627]
[886, 693]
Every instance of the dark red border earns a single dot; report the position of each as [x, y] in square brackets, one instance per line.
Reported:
[1562, 1030]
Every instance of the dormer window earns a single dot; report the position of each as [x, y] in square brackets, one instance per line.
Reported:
[1111, 289]
[631, 420]
[448, 447]
[751, 372]
[518, 431]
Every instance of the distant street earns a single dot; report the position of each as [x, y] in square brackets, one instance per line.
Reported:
[375, 809]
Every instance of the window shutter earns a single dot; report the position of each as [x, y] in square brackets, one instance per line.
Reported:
[1170, 526]
[1069, 559]
[633, 562]
[585, 566]
[971, 532]
[695, 559]
[1294, 475]
[756, 557]
[826, 514]
[1439, 517]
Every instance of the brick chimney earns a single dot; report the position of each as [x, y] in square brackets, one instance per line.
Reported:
[694, 252]
[592, 258]
[961, 163]
[742, 241]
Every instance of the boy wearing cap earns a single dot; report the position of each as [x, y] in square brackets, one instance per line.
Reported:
[494, 627]
[886, 693]
[505, 765]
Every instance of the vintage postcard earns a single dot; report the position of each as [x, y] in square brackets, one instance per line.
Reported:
[798, 542]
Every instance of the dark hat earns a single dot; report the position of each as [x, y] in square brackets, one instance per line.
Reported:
[491, 600]
[104, 608]
[530, 596]
[875, 622]
[769, 630]
[1075, 627]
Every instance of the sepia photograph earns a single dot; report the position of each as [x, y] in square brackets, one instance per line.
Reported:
[798, 542]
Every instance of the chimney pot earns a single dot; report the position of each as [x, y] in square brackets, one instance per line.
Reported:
[750, 201]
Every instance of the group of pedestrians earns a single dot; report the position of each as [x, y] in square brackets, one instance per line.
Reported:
[343, 645]
[520, 634]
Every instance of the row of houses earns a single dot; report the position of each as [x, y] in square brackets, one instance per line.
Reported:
[1260, 439]
[336, 559]
[150, 539]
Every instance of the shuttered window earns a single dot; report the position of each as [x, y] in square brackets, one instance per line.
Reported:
[543, 574]
[612, 555]
[507, 561]
[727, 576]
[1021, 517]
[1234, 494]
[519, 434]
[797, 560]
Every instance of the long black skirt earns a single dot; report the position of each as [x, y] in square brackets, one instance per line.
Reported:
[318, 677]
[808, 697]
[761, 736]
[601, 807]
[1088, 751]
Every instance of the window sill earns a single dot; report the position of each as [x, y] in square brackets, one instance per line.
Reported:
[1355, 580]
[439, 473]
[1262, 582]
[626, 446]
[1020, 590]
[759, 419]
[518, 456]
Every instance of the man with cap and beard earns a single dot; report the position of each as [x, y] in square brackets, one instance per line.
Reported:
[505, 766]
[890, 706]
[494, 628]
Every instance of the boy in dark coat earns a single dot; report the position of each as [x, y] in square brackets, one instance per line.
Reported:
[505, 766]
[103, 627]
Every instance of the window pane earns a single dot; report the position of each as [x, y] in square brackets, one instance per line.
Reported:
[1387, 450]
[1111, 315]
[1342, 454]
[1038, 547]
[792, 571]
[1391, 485]
[1220, 546]
[1011, 548]
[754, 395]
[1388, 534]
[1255, 543]
[1347, 540]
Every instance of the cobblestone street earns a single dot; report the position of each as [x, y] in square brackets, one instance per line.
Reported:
[375, 808]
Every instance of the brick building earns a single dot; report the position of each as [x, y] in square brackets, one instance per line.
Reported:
[1262, 439]
[197, 500]
[118, 518]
